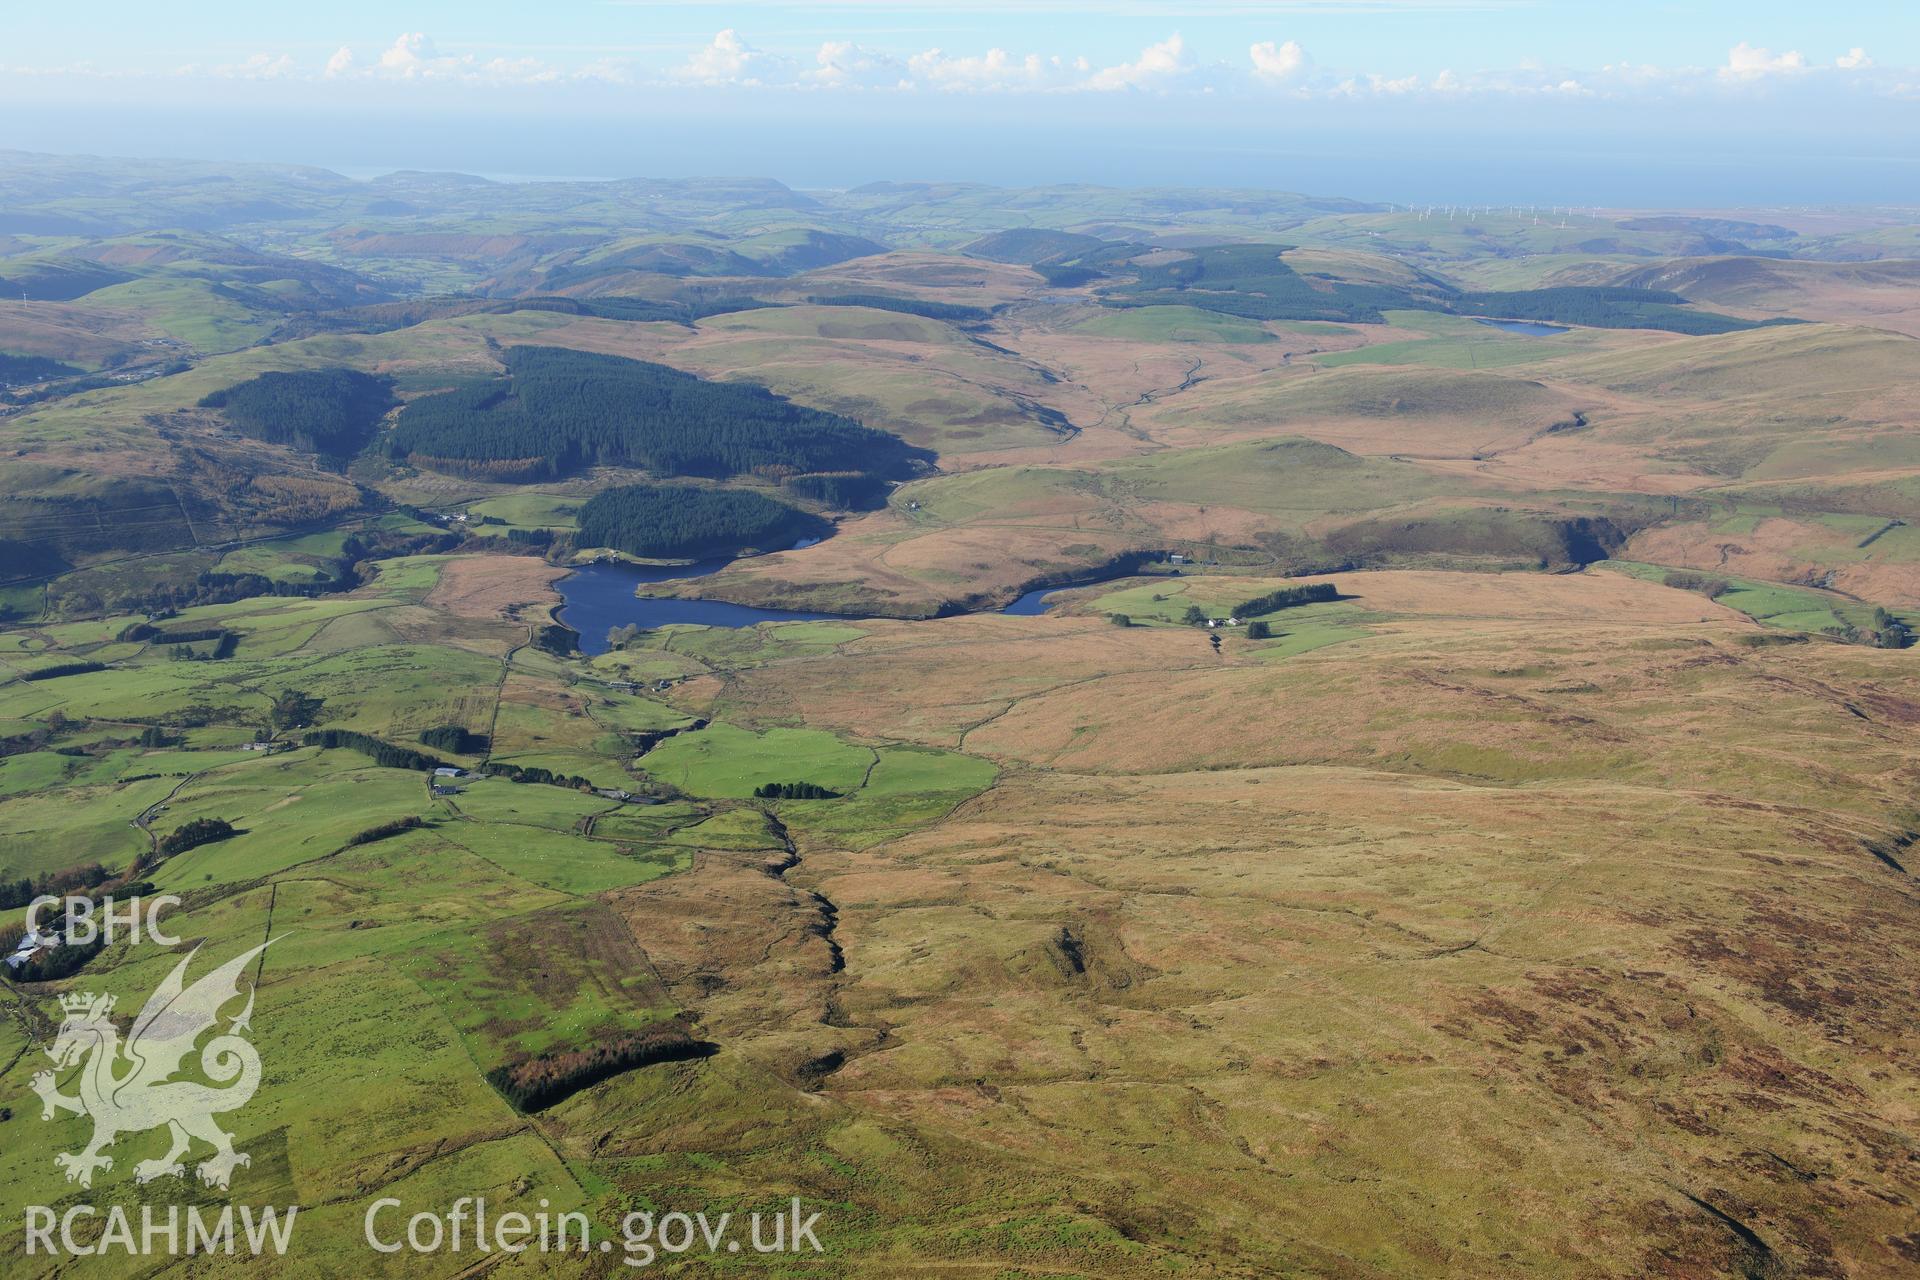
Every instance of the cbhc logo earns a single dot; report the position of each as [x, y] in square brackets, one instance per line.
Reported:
[83, 922]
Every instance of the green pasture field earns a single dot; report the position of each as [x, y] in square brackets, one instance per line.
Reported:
[908, 788]
[627, 712]
[565, 863]
[564, 995]
[648, 823]
[525, 804]
[69, 826]
[529, 509]
[727, 760]
[1175, 324]
[1295, 631]
[194, 311]
[602, 770]
[744, 828]
[763, 642]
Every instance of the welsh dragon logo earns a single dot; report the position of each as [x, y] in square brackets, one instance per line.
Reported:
[129, 1088]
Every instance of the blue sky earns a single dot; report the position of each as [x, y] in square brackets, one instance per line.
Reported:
[1795, 98]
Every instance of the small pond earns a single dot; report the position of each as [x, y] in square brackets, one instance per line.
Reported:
[600, 597]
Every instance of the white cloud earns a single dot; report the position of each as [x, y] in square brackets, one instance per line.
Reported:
[261, 66]
[1747, 62]
[842, 64]
[1169, 66]
[1380, 87]
[995, 69]
[1158, 65]
[729, 60]
[1278, 63]
[414, 57]
[412, 54]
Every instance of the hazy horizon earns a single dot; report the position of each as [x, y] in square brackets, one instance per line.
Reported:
[1601, 172]
[1626, 104]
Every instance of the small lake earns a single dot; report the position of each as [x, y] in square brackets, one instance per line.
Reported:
[1033, 603]
[599, 597]
[1532, 328]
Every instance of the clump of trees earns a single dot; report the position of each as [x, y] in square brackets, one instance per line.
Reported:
[794, 791]
[1259, 630]
[559, 410]
[224, 588]
[534, 1084]
[680, 520]
[1688, 580]
[849, 490]
[63, 669]
[557, 640]
[627, 633]
[194, 834]
[535, 774]
[1286, 598]
[455, 738]
[18, 893]
[1706, 585]
[1067, 275]
[225, 642]
[18, 371]
[294, 709]
[326, 411]
[58, 962]
[1885, 632]
[1603, 307]
[1890, 632]
[384, 754]
[409, 823]
[1252, 281]
[907, 306]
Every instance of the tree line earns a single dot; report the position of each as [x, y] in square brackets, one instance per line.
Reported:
[681, 520]
[18, 893]
[1603, 307]
[1286, 598]
[1251, 281]
[533, 773]
[20, 370]
[384, 754]
[455, 738]
[537, 1083]
[63, 669]
[326, 411]
[950, 311]
[412, 822]
[794, 791]
[559, 410]
[194, 834]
